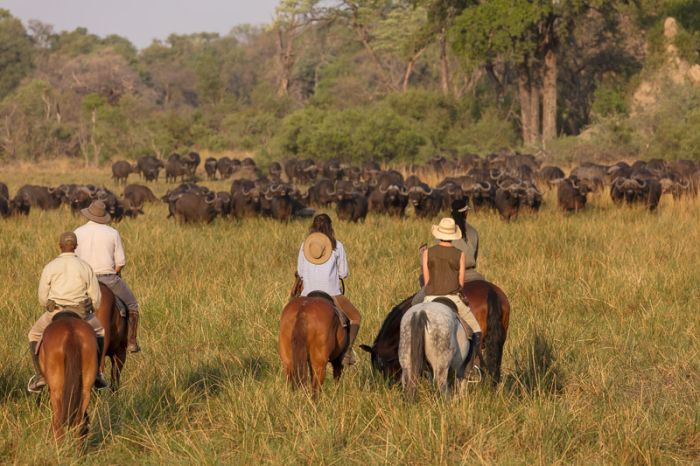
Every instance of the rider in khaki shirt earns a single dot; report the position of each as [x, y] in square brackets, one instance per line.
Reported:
[67, 284]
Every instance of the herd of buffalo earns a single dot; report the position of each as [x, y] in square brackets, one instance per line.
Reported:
[506, 182]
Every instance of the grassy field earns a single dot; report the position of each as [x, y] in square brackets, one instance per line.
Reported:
[601, 365]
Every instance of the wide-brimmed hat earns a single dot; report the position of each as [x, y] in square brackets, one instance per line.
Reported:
[447, 230]
[318, 248]
[97, 212]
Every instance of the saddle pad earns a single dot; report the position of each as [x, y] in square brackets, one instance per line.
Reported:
[123, 311]
[344, 320]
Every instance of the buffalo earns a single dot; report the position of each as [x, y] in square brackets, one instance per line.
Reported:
[175, 168]
[42, 197]
[571, 194]
[121, 171]
[191, 207]
[632, 190]
[210, 168]
[352, 207]
[138, 194]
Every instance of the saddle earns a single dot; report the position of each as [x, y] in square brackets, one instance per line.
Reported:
[449, 303]
[344, 320]
[65, 314]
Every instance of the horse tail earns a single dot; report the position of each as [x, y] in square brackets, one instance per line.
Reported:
[300, 353]
[72, 380]
[419, 322]
[495, 335]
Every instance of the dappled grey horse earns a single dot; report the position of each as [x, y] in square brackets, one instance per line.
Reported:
[432, 334]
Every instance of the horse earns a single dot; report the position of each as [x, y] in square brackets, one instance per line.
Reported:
[67, 360]
[115, 334]
[490, 307]
[431, 332]
[311, 333]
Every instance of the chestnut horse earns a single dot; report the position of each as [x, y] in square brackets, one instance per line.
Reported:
[67, 360]
[490, 307]
[115, 334]
[312, 335]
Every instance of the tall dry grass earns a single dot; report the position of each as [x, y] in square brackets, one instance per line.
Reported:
[601, 364]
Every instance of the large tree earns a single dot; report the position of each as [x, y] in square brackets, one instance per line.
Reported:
[16, 51]
[527, 34]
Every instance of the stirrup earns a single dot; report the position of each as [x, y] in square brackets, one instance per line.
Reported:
[475, 375]
[36, 384]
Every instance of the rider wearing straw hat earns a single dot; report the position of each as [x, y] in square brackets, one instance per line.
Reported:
[101, 246]
[443, 272]
[321, 265]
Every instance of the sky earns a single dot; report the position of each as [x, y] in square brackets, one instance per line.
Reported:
[141, 21]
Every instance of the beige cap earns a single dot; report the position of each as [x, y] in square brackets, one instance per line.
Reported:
[447, 230]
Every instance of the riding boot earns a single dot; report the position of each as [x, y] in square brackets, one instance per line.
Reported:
[349, 356]
[474, 345]
[100, 381]
[133, 345]
[37, 382]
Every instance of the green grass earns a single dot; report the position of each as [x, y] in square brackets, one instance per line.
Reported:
[601, 365]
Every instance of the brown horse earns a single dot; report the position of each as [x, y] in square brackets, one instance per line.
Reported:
[490, 307]
[67, 360]
[115, 334]
[312, 335]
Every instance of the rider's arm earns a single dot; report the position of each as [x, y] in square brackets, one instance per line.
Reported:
[93, 290]
[119, 256]
[300, 262]
[462, 260]
[342, 261]
[44, 286]
[426, 272]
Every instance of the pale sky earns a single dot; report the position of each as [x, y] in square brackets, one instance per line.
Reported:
[143, 20]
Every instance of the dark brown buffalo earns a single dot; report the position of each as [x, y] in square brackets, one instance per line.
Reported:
[210, 168]
[149, 167]
[633, 190]
[138, 194]
[550, 175]
[191, 162]
[245, 197]
[322, 193]
[80, 198]
[4, 190]
[41, 196]
[175, 168]
[508, 200]
[391, 200]
[426, 202]
[194, 208]
[121, 171]
[571, 194]
[352, 207]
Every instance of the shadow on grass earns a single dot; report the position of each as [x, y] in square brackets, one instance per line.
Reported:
[536, 369]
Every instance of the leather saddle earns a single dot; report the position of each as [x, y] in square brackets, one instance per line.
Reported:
[344, 320]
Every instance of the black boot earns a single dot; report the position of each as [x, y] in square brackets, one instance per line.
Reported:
[37, 382]
[349, 357]
[100, 382]
[474, 346]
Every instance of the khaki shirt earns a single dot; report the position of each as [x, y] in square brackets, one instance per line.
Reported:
[68, 281]
[470, 247]
[101, 247]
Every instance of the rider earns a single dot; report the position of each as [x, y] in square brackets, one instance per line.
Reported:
[101, 246]
[444, 271]
[321, 266]
[469, 242]
[67, 283]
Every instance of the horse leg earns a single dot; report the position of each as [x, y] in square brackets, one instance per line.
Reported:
[442, 380]
[118, 360]
[337, 369]
[318, 369]
[409, 385]
[56, 395]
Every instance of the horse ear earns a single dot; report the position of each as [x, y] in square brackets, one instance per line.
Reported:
[367, 348]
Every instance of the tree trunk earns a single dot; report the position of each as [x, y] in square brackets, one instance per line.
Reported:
[409, 70]
[535, 115]
[525, 102]
[285, 59]
[549, 97]
[444, 64]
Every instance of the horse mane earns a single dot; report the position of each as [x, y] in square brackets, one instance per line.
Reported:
[395, 314]
[322, 295]
[65, 315]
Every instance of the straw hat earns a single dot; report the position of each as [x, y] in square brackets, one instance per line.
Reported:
[318, 248]
[97, 212]
[447, 230]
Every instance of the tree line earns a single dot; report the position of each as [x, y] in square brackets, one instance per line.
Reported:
[352, 79]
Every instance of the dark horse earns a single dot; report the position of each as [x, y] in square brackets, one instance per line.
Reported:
[67, 360]
[311, 335]
[115, 334]
[490, 307]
